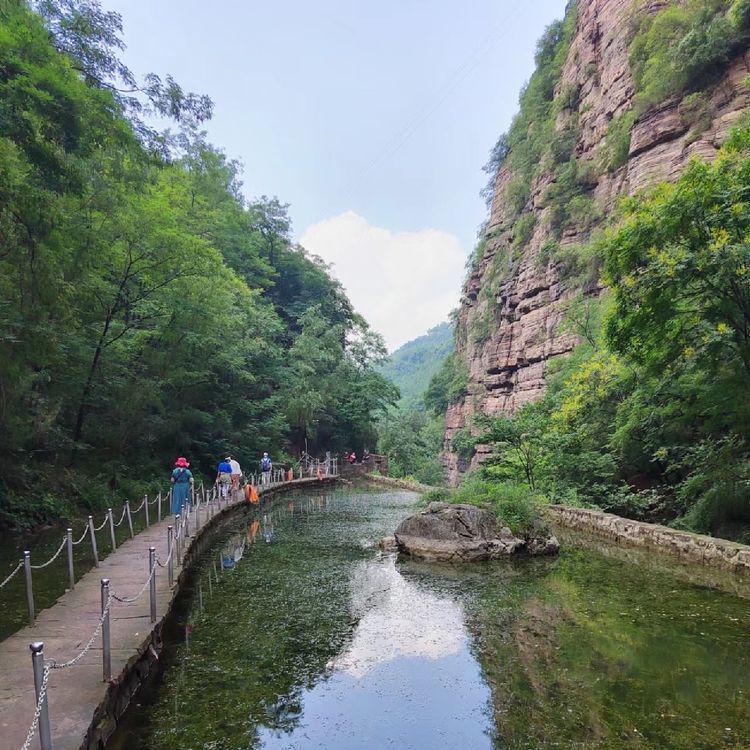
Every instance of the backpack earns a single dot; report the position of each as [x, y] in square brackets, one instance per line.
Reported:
[265, 464]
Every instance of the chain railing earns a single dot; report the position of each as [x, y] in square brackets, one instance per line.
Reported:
[207, 501]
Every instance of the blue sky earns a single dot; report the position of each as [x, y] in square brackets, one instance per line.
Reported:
[372, 119]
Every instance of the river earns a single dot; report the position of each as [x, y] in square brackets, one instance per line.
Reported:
[314, 638]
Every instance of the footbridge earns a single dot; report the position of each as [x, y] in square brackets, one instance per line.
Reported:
[68, 675]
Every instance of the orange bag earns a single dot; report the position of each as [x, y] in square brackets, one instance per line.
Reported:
[252, 494]
[289, 475]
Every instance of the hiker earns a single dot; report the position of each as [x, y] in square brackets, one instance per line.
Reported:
[352, 458]
[236, 473]
[182, 481]
[224, 477]
[265, 467]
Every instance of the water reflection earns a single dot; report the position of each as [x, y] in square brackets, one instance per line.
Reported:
[314, 639]
[397, 619]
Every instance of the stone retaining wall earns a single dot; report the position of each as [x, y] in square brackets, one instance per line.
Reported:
[691, 548]
[403, 484]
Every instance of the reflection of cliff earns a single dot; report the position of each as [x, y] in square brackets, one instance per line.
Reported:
[509, 324]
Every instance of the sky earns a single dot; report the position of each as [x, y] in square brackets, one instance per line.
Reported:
[372, 119]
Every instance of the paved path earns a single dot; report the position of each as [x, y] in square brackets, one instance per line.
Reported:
[65, 628]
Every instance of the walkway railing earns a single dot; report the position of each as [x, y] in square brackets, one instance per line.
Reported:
[90, 530]
[202, 501]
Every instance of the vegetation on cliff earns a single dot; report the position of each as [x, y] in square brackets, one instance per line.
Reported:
[649, 417]
[146, 308]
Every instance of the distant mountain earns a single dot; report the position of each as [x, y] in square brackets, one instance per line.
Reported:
[412, 366]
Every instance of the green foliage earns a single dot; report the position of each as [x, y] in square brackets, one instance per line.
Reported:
[685, 46]
[649, 416]
[448, 385]
[513, 504]
[413, 441]
[146, 310]
[412, 366]
[616, 147]
[533, 128]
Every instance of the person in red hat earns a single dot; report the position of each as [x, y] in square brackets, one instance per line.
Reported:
[182, 480]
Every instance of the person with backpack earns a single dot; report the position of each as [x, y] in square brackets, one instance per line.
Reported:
[224, 477]
[265, 467]
[182, 480]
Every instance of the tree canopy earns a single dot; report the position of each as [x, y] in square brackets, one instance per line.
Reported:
[147, 309]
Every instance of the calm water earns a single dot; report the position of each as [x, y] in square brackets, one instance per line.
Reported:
[313, 638]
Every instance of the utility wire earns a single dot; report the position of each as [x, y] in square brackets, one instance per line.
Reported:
[457, 77]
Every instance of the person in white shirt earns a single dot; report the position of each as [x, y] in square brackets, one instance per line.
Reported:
[236, 473]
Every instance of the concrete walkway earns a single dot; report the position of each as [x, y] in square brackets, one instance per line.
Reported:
[65, 628]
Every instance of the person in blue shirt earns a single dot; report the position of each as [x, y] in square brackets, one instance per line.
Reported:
[224, 477]
[182, 480]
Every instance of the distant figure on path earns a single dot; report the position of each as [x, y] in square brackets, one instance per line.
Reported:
[236, 473]
[224, 477]
[265, 467]
[182, 480]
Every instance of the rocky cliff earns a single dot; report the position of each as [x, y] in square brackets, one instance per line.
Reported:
[510, 324]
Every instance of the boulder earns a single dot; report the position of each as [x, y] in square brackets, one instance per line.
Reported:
[542, 544]
[456, 532]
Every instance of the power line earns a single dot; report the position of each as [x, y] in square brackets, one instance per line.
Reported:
[457, 77]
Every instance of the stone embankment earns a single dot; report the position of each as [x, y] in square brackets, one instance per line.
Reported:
[720, 554]
[686, 547]
[403, 484]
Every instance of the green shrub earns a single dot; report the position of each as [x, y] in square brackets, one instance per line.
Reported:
[515, 505]
[617, 141]
[438, 495]
[684, 46]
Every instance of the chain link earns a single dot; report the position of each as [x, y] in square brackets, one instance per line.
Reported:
[17, 568]
[64, 665]
[53, 558]
[38, 710]
[132, 599]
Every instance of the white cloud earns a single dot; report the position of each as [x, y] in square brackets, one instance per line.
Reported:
[402, 282]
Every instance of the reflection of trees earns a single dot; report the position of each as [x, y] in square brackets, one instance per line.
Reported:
[266, 635]
[594, 654]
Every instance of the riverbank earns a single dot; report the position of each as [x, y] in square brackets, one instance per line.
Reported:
[316, 638]
[684, 546]
[83, 708]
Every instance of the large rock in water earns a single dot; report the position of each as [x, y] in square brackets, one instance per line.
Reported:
[456, 532]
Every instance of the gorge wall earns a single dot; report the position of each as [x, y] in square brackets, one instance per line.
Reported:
[510, 324]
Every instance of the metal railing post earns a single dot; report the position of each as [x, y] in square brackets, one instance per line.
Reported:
[178, 536]
[145, 507]
[158, 507]
[92, 534]
[130, 518]
[197, 514]
[112, 529]
[106, 647]
[152, 585]
[71, 572]
[37, 661]
[29, 585]
[170, 563]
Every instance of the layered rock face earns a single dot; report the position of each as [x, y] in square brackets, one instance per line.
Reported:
[507, 365]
